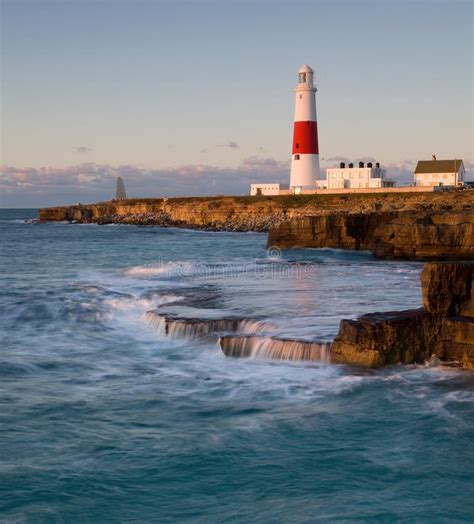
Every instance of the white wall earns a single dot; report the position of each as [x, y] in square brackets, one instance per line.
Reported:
[436, 179]
[304, 171]
[267, 189]
[305, 105]
[354, 178]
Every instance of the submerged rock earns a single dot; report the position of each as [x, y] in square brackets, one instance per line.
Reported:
[274, 348]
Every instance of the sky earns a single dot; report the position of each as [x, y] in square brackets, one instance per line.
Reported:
[196, 97]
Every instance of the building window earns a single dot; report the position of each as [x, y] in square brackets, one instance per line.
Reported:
[297, 157]
[334, 175]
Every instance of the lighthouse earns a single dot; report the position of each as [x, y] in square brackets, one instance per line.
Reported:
[305, 152]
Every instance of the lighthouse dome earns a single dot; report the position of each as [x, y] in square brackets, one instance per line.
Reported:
[305, 69]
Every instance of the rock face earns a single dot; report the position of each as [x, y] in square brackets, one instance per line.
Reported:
[444, 327]
[447, 289]
[337, 230]
[430, 235]
[409, 235]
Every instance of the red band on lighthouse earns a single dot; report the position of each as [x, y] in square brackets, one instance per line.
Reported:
[305, 138]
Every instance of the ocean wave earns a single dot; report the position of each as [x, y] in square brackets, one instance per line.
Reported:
[259, 266]
[127, 303]
[165, 269]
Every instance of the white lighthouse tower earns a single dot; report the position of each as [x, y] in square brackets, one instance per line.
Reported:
[305, 153]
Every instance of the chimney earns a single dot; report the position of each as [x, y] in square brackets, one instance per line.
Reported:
[433, 157]
[342, 165]
[369, 164]
[351, 165]
[361, 164]
[377, 165]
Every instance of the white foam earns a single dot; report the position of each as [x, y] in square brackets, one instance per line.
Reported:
[126, 303]
[162, 269]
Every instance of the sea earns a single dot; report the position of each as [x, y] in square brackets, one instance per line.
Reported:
[106, 418]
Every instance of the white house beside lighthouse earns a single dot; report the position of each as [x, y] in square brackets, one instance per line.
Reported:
[305, 151]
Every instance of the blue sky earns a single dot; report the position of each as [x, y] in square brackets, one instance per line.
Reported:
[191, 97]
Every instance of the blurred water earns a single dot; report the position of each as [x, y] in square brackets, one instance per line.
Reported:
[104, 419]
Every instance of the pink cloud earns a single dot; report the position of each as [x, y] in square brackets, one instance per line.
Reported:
[89, 182]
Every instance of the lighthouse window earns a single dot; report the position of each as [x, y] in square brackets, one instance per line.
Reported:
[297, 157]
[302, 78]
[301, 96]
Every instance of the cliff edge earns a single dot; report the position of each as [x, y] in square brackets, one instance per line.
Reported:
[408, 235]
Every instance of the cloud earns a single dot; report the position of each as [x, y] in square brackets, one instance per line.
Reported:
[228, 145]
[340, 158]
[336, 159]
[82, 149]
[90, 182]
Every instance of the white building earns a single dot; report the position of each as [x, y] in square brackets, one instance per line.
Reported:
[439, 172]
[350, 177]
[266, 189]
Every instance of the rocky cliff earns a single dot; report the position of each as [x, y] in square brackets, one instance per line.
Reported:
[443, 328]
[251, 213]
[410, 235]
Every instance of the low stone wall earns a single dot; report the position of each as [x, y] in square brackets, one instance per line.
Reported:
[357, 190]
[444, 327]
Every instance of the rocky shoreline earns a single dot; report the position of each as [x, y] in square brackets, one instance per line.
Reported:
[429, 227]
[257, 224]
[410, 226]
[443, 328]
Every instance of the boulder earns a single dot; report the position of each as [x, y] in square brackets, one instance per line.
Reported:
[443, 328]
[380, 339]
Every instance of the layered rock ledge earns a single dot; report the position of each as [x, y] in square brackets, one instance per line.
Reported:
[252, 213]
[408, 235]
[443, 328]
